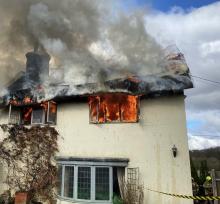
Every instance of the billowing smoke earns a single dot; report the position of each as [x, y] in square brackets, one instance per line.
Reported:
[89, 41]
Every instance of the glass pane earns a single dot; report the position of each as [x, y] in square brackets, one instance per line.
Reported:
[52, 112]
[26, 115]
[59, 180]
[93, 107]
[14, 116]
[68, 181]
[38, 116]
[102, 183]
[84, 183]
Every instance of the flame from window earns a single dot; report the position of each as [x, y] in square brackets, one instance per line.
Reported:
[44, 105]
[26, 114]
[115, 107]
[26, 100]
[26, 108]
[53, 107]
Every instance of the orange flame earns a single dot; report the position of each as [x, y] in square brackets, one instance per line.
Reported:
[27, 100]
[27, 114]
[113, 108]
[44, 105]
[53, 107]
[14, 102]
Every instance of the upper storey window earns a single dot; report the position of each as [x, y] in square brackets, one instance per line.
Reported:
[38, 116]
[115, 107]
[43, 113]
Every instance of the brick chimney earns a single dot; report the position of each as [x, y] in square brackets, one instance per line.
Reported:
[37, 67]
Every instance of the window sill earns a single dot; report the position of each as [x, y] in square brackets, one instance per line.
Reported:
[113, 122]
[82, 201]
[39, 124]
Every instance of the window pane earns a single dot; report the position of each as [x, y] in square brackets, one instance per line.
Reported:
[14, 116]
[93, 106]
[38, 116]
[52, 112]
[129, 109]
[68, 181]
[26, 115]
[102, 183]
[84, 183]
[59, 180]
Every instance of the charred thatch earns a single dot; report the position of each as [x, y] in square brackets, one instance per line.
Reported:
[33, 87]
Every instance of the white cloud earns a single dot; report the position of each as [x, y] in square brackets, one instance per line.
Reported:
[197, 35]
[209, 48]
[198, 142]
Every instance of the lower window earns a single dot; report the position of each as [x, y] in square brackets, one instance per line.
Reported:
[91, 183]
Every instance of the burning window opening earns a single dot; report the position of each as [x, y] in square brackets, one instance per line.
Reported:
[21, 100]
[52, 112]
[43, 113]
[117, 107]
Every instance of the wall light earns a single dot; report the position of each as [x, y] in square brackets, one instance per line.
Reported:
[174, 150]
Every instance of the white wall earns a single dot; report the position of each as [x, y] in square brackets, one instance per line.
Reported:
[147, 144]
[3, 120]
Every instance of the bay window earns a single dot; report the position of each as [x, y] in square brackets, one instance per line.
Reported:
[85, 183]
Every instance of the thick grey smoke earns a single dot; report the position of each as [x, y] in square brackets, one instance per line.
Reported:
[88, 40]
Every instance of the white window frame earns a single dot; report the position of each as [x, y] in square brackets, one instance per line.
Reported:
[9, 116]
[92, 182]
[43, 117]
[48, 112]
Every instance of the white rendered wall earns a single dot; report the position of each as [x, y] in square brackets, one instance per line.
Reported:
[3, 120]
[147, 144]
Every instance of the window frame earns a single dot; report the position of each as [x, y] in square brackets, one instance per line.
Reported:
[92, 181]
[120, 120]
[48, 113]
[63, 181]
[10, 115]
[42, 116]
[110, 183]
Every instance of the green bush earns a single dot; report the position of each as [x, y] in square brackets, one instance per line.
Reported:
[117, 200]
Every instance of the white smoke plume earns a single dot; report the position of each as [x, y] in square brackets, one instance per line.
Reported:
[88, 40]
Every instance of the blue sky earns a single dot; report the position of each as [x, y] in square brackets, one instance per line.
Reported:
[166, 5]
[194, 125]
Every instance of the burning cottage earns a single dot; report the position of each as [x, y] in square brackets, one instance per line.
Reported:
[125, 131]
